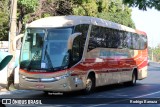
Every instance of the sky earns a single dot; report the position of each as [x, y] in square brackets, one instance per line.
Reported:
[149, 22]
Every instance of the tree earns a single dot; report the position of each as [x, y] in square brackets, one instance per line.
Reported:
[30, 10]
[4, 19]
[143, 4]
[85, 7]
[25, 7]
[51, 8]
[156, 52]
[56, 7]
[118, 12]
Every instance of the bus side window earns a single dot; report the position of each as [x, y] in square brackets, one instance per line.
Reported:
[96, 38]
[128, 40]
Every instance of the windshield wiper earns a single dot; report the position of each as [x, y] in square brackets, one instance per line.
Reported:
[48, 59]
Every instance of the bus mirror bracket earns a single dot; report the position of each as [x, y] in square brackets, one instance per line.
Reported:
[71, 39]
[15, 40]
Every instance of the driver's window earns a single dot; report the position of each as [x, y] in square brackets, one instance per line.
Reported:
[77, 49]
[79, 43]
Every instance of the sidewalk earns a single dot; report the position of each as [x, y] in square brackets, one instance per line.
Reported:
[3, 89]
[11, 88]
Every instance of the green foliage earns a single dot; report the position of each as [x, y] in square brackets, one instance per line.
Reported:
[113, 10]
[103, 5]
[85, 7]
[154, 53]
[118, 12]
[30, 10]
[28, 5]
[4, 19]
[143, 4]
[25, 7]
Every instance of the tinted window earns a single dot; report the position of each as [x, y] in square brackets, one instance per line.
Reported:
[143, 41]
[102, 37]
[105, 38]
[96, 38]
[114, 38]
[128, 40]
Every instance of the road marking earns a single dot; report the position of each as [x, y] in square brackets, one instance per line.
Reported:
[147, 94]
[125, 99]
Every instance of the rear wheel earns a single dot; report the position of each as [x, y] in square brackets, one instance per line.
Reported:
[134, 79]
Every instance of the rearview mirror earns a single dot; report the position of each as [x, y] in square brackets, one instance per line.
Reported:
[71, 38]
[15, 40]
[5, 58]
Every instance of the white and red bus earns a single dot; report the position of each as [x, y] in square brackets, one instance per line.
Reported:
[68, 53]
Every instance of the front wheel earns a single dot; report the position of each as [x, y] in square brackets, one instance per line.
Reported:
[90, 85]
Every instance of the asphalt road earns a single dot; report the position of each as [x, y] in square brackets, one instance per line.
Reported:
[117, 95]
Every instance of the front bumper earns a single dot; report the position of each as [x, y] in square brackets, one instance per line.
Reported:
[63, 84]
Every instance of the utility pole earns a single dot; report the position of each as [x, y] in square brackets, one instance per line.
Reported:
[152, 54]
[12, 35]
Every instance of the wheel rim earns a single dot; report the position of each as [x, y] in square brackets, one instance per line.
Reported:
[88, 85]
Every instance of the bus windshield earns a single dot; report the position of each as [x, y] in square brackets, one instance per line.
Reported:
[45, 49]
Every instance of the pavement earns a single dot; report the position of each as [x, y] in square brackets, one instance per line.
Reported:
[3, 89]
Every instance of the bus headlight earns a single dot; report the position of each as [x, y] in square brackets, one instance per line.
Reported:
[78, 80]
[62, 76]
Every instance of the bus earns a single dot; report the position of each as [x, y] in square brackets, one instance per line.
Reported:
[69, 53]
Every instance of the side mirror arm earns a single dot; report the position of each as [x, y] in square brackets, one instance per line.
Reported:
[15, 40]
[71, 39]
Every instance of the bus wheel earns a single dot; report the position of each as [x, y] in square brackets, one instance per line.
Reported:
[133, 81]
[90, 85]
[134, 78]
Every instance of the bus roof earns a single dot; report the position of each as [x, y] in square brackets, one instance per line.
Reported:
[65, 21]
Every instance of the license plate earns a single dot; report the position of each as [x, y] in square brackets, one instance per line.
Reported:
[40, 86]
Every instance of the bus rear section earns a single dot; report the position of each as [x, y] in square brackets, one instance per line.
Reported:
[141, 54]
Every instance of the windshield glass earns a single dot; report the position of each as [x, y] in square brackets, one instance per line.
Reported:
[45, 49]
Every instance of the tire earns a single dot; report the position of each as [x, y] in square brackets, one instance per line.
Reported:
[133, 81]
[90, 85]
